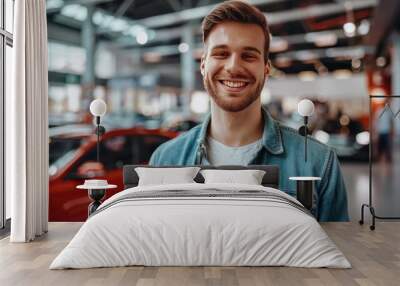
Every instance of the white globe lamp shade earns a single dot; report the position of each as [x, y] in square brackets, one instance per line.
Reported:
[98, 107]
[305, 107]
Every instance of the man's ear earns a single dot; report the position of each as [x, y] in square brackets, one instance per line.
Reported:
[202, 60]
[267, 68]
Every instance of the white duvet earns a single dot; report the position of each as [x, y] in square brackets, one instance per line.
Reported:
[183, 231]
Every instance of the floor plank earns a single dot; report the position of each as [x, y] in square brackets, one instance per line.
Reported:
[375, 257]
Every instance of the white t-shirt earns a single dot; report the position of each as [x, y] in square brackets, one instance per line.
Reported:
[220, 154]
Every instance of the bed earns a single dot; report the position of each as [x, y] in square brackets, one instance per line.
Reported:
[201, 224]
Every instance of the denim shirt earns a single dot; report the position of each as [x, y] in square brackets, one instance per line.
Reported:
[282, 146]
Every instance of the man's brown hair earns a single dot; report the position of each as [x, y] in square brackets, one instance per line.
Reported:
[236, 11]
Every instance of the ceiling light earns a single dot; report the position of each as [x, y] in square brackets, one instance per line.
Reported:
[278, 45]
[321, 39]
[141, 37]
[75, 11]
[119, 25]
[152, 57]
[362, 138]
[381, 62]
[98, 18]
[275, 73]
[183, 48]
[305, 55]
[136, 29]
[307, 75]
[282, 61]
[355, 63]
[345, 52]
[54, 4]
[104, 20]
[342, 74]
[349, 29]
[363, 29]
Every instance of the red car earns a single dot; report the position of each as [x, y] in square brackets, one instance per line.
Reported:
[117, 148]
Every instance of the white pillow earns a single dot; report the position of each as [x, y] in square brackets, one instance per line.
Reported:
[163, 176]
[248, 177]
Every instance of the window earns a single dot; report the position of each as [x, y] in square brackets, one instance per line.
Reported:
[9, 15]
[6, 43]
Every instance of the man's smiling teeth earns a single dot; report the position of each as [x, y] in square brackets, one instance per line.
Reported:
[234, 83]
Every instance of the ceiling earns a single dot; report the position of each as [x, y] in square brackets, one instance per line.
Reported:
[307, 35]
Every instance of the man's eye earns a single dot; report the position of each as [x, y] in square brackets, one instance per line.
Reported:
[220, 54]
[249, 57]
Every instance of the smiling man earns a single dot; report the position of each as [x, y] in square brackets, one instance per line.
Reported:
[239, 131]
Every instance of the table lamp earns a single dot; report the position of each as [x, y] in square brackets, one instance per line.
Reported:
[305, 185]
[98, 108]
[305, 108]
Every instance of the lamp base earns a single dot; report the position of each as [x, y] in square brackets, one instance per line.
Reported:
[96, 195]
[305, 193]
[305, 190]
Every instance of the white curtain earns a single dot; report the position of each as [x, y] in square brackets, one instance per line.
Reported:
[27, 123]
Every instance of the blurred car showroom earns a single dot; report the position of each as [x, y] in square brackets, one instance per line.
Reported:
[142, 58]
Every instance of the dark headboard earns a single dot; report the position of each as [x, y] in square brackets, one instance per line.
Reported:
[271, 177]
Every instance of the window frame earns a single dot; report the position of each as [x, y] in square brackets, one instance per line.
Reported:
[6, 39]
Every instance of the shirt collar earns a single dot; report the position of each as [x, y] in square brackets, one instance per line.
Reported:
[271, 140]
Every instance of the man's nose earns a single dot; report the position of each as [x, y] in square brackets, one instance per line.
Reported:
[233, 64]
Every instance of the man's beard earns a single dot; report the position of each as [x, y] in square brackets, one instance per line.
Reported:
[232, 103]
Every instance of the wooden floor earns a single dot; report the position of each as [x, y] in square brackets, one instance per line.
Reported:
[375, 256]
